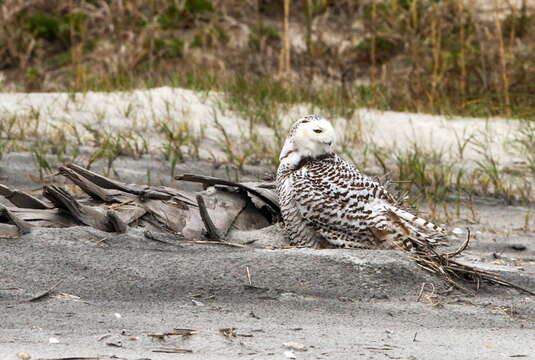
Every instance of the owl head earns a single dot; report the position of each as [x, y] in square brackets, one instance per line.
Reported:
[310, 136]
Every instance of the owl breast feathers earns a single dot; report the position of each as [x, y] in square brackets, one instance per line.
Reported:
[326, 202]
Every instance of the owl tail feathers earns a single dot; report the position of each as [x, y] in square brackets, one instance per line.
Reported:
[399, 232]
[421, 226]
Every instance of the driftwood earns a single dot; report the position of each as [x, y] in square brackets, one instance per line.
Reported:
[8, 231]
[22, 199]
[88, 215]
[257, 189]
[104, 182]
[90, 188]
[12, 226]
[113, 206]
[43, 217]
[208, 223]
[144, 192]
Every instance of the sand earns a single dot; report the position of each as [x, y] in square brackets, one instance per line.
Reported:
[336, 304]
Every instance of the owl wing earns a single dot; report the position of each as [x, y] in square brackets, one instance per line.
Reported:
[332, 198]
[351, 210]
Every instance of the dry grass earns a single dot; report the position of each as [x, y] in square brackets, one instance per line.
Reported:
[453, 272]
[456, 58]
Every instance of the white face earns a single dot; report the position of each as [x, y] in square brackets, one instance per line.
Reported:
[312, 138]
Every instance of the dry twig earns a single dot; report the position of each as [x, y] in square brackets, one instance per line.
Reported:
[172, 350]
[441, 264]
[46, 293]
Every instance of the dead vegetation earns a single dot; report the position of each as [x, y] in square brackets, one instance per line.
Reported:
[452, 271]
[458, 56]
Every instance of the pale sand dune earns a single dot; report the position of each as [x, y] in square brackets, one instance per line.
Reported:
[140, 110]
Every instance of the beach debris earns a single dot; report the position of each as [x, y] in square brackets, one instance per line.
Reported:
[172, 350]
[22, 199]
[174, 332]
[46, 293]
[112, 206]
[292, 345]
[100, 357]
[117, 343]
[23, 355]
[182, 332]
[452, 272]
[11, 226]
[228, 332]
[104, 336]
[254, 316]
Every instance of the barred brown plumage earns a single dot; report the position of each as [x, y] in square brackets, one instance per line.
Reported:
[326, 202]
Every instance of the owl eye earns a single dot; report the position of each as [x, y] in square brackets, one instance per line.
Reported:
[317, 131]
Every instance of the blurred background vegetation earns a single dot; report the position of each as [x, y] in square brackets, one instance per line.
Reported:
[461, 57]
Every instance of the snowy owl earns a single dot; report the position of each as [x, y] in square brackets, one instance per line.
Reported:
[326, 202]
